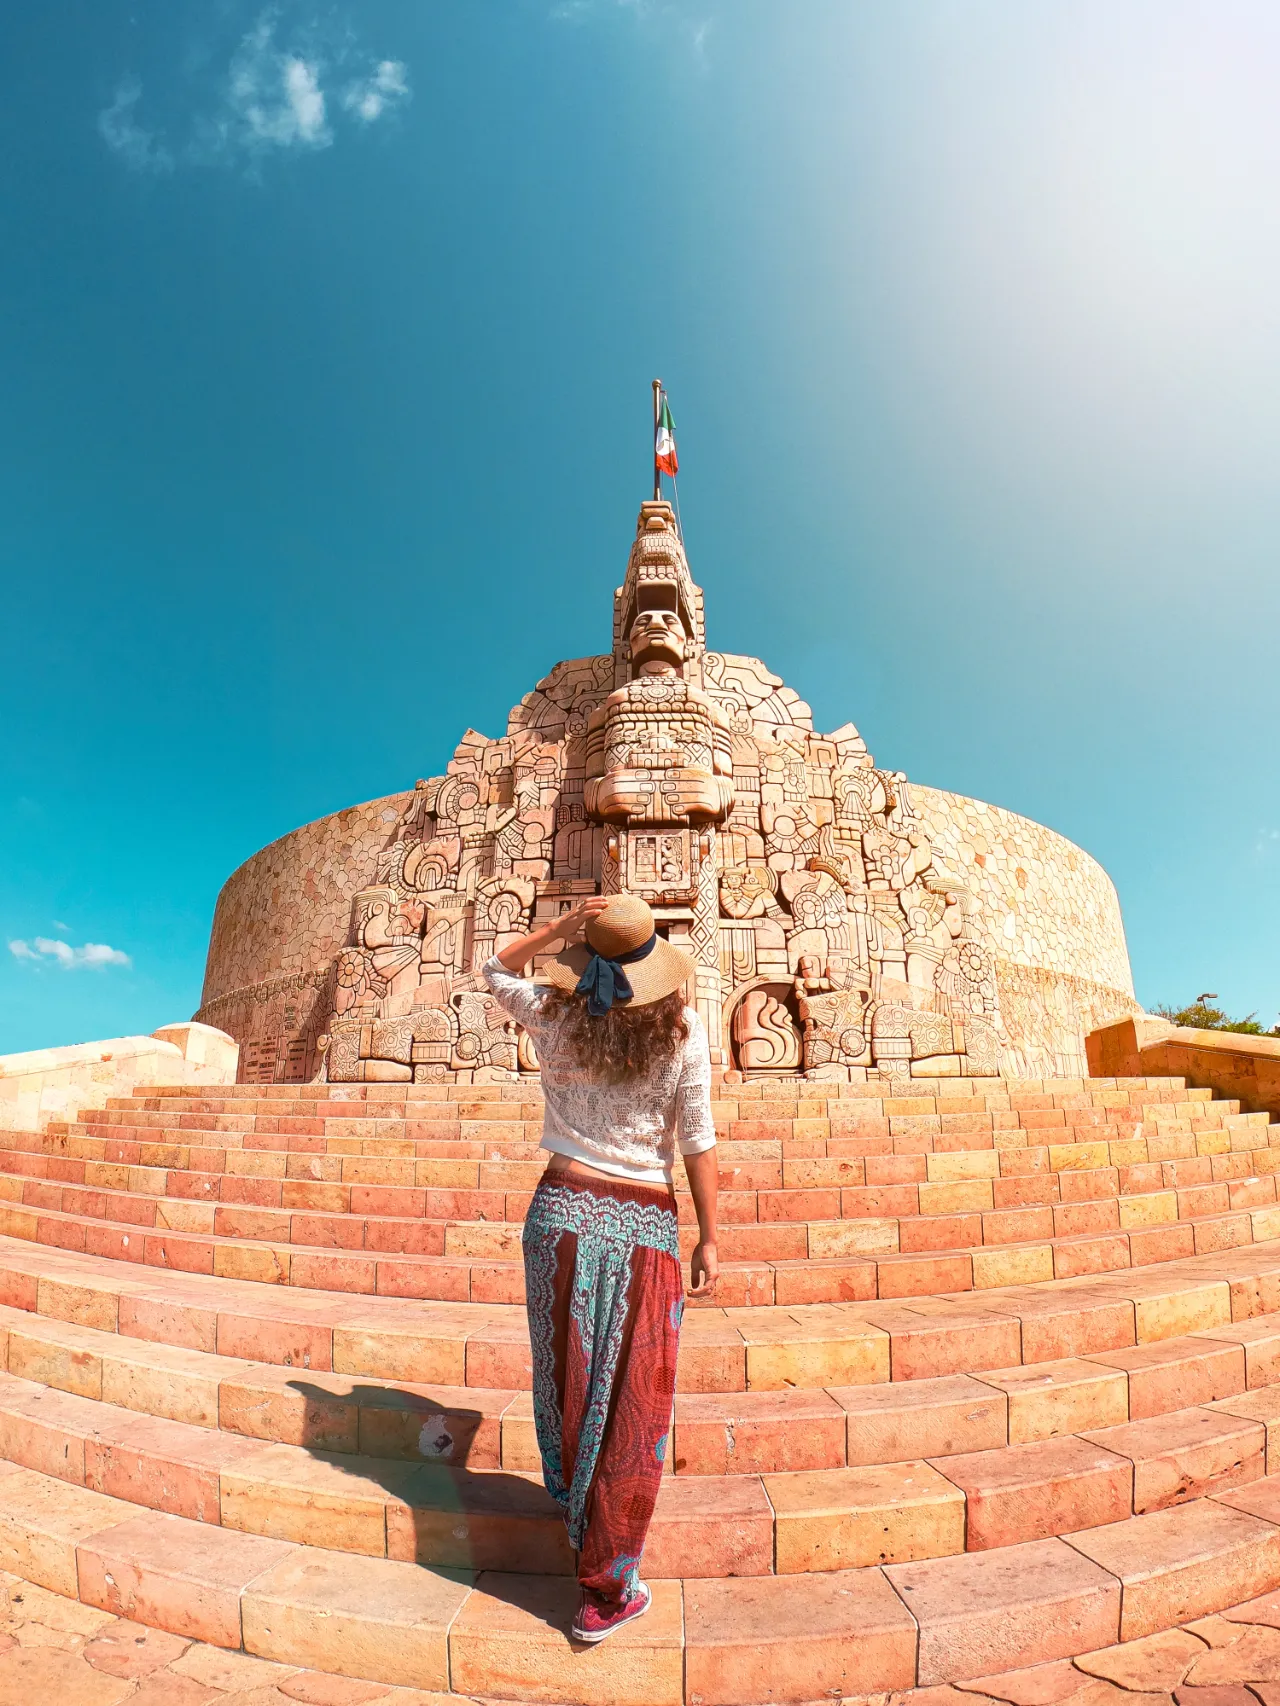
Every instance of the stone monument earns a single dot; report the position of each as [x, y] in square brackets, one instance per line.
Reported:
[844, 924]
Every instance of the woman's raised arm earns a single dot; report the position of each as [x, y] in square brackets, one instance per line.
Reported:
[516, 955]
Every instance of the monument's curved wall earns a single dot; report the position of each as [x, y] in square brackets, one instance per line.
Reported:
[280, 920]
[1048, 914]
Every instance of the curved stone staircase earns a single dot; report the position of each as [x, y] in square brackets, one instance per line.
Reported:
[993, 1379]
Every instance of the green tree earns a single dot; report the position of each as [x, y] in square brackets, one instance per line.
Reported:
[1201, 1017]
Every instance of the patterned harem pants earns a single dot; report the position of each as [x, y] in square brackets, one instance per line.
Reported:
[602, 1271]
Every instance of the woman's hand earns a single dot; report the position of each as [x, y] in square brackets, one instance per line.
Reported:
[517, 954]
[703, 1172]
[573, 924]
[704, 1271]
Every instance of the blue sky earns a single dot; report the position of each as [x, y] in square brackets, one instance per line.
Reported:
[325, 343]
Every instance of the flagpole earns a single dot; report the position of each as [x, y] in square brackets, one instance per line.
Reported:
[657, 412]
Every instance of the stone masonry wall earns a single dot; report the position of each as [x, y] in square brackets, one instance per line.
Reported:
[1049, 915]
[280, 920]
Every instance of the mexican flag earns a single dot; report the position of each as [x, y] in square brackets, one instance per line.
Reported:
[664, 442]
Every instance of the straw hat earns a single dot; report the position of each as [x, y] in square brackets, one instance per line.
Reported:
[625, 925]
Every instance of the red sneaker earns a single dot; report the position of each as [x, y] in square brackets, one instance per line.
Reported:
[592, 1625]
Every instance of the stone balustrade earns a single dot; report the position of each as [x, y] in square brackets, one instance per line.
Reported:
[46, 1084]
[1242, 1067]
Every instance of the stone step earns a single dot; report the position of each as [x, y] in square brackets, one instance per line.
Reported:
[150, 1152]
[1014, 1178]
[891, 1186]
[752, 1189]
[863, 1493]
[44, 1660]
[789, 1523]
[718, 1643]
[939, 1115]
[1034, 1092]
[989, 1153]
[756, 1225]
[485, 1264]
[832, 1159]
[957, 1097]
[713, 1433]
[431, 1513]
[722, 1350]
[1017, 1178]
[731, 1122]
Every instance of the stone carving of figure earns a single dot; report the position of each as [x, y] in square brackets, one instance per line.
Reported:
[503, 907]
[915, 859]
[381, 971]
[764, 1034]
[391, 932]
[525, 842]
[820, 927]
[747, 891]
[866, 939]
[879, 931]
[816, 899]
[811, 977]
[860, 797]
[658, 748]
[880, 854]
[441, 953]
[929, 937]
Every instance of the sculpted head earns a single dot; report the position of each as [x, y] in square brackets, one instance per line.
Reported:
[657, 641]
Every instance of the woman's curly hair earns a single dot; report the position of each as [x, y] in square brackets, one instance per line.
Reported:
[626, 1042]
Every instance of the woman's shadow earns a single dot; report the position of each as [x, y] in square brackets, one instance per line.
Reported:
[433, 1466]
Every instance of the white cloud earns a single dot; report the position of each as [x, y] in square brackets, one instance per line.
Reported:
[63, 954]
[271, 100]
[99, 954]
[669, 16]
[59, 925]
[575, 9]
[124, 136]
[274, 99]
[369, 97]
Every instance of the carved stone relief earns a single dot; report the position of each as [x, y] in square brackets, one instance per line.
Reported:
[796, 871]
[765, 1035]
[835, 1030]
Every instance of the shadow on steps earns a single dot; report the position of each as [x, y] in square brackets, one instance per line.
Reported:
[414, 1453]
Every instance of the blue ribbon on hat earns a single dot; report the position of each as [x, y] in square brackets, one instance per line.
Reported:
[605, 982]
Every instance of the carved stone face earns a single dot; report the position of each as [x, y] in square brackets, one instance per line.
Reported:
[657, 637]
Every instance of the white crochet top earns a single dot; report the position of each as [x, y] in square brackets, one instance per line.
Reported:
[631, 1129]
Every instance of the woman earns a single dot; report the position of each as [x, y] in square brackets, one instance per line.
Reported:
[626, 1077]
